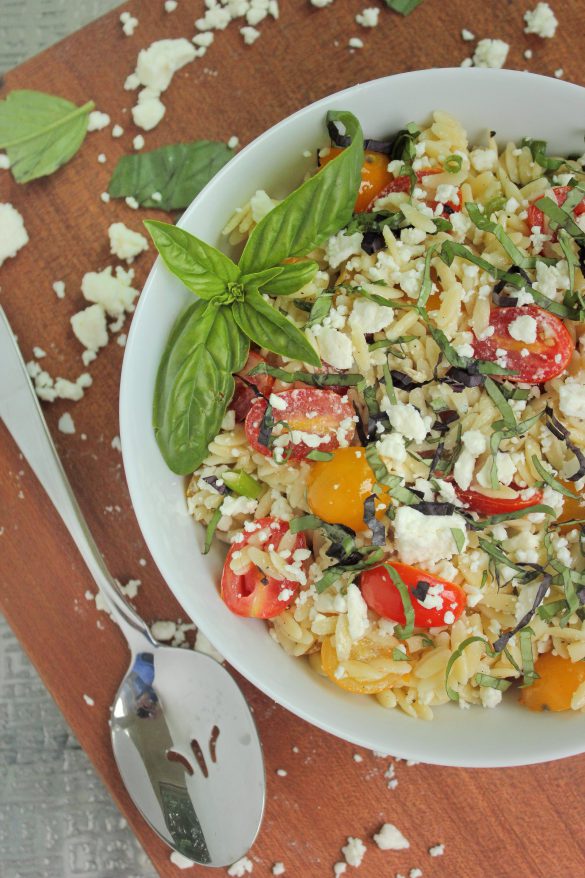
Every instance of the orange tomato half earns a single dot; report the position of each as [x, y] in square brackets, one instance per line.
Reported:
[558, 679]
[338, 487]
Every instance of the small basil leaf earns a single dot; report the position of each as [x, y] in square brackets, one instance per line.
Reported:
[177, 172]
[194, 383]
[317, 209]
[203, 269]
[404, 7]
[270, 329]
[293, 277]
[40, 132]
[259, 279]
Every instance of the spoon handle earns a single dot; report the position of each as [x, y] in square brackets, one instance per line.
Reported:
[22, 415]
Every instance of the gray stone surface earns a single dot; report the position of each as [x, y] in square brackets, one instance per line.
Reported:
[56, 818]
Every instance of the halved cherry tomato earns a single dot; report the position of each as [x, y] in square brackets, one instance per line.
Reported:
[320, 413]
[375, 175]
[254, 592]
[558, 679]
[485, 504]
[573, 507]
[536, 218]
[338, 487]
[547, 356]
[382, 596]
[402, 184]
[244, 396]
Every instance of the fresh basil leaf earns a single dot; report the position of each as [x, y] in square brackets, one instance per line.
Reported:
[194, 383]
[528, 672]
[560, 218]
[314, 379]
[403, 632]
[538, 150]
[270, 329]
[293, 277]
[486, 225]
[371, 556]
[404, 7]
[177, 172]
[426, 286]
[40, 132]
[452, 693]
[501, 402]
[321, 308]
[548, 477]
[203, 269]
[317, 209]
[492, 682]
[258, 279]
[315, 454]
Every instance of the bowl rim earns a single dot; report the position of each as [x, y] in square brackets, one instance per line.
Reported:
[555, 750]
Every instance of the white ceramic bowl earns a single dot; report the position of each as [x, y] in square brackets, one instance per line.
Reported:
[514, 104]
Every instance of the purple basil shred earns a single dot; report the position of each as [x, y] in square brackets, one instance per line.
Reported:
[383, 146]
[377, 528]
[337, 138]
[459, 379]
[372, 242]
[544, 586]
[432, 507]
[560, 431]
[213, 481]
[404, 382]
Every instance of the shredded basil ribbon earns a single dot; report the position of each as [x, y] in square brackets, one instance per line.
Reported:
[403, 632]
[452, 693]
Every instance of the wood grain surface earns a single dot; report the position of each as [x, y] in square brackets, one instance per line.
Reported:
[505, 824]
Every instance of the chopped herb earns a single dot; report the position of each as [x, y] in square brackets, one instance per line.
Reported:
[332, 574]
[458, 537]
[501, 402]
[321, 308]
[542, 590]
[538, 151]
[343, 547]
[561, 432]
[267, 425]
[316, 379]
[217, 483]
[528, 672]
[315, 454]
[492, 682]
[404, 7]
[550, 479]
[403, 632]
[393, 483]
[427, 284]
[211, 528]
[494, 205]
[486, 225]
[452, 693]
[453, 164]
[241, 483]
[389, 384]
[398, 655]
[560, 218]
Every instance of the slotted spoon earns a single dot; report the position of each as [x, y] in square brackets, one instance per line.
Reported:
[183, 736]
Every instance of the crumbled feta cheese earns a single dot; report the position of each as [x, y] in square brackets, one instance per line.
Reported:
[321, 4]
[241, 868]
[204, 39]
[369, 317]
[39, 353]
[541, 21]
[89, 327]
[491, 53]
[170, 5]
[114, 294]
[338, 868]
[96, 121]
[523, 328]
[250, 35]
[233, 142]
[117, 131]
[335, 348]
[357, 613]
[278, 869]
[13, 235]
[66, 424]
[149, 110]
[4, 162]
[572, 399]
[407, 419]
[138, 142]
[389, 838]
[157, 64]
[105, 197]
[490, 697]
[102, 158]
[447, 193]
[392, 447]
[437, 850]
[426, 538]
[88, 700]
[125, 243]
[354, 851]
[368, 17]
[355, 43]
[180, 861]
[483, 159]
[340, 247]
[163, 630]
[467, 35]
[129, 23]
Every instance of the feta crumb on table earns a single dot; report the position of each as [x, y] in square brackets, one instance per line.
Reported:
[126, 243]
[389, 838]
[242, 867]
[129, 23]
[180, 861]
[491, 53]
[437, 850]
[250, 34]
[97, 120]
[66, 424]
[163, 630]
[138, 142]
[117, 131]
[13, 235]
[89, 327]
[102, 158]
[467, 35]
[355, 43]
[233, 142]
[170, 5]
[88, 700]
[368, 17]
[354, 851]
[278, 869]
[541, 21]
[4, 162]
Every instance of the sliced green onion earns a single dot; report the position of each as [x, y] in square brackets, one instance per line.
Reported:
[402, 631]
[241, 483]
[453, 164]
[452, 693]
[495, 204]
[492, 682]
[550, 479]
[211, 528]
[315, 454]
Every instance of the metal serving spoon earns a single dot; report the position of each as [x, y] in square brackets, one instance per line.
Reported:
[183, 737]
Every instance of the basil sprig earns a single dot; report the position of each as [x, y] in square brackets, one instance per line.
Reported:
[211, 339]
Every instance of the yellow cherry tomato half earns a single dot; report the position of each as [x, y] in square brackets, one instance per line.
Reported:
[558, 679]
[366, 672]
[573, 507]
[338, 487]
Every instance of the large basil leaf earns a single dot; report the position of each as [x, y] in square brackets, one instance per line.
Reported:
[203, 269]
[177, 172]
[320, 207]
[194, 384]
[270, 329]
[40, 132]
[294, 276]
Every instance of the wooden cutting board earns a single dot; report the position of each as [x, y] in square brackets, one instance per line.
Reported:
[508, 824]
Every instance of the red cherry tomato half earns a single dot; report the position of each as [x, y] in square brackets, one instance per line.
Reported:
[244, 395]
[402, 184]
[254, 592]
[375, 176]
[547, 356]
[382, 596]
[486, 505]
[537, 218]
[319, 413]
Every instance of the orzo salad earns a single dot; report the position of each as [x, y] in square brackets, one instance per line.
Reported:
[381, 411]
